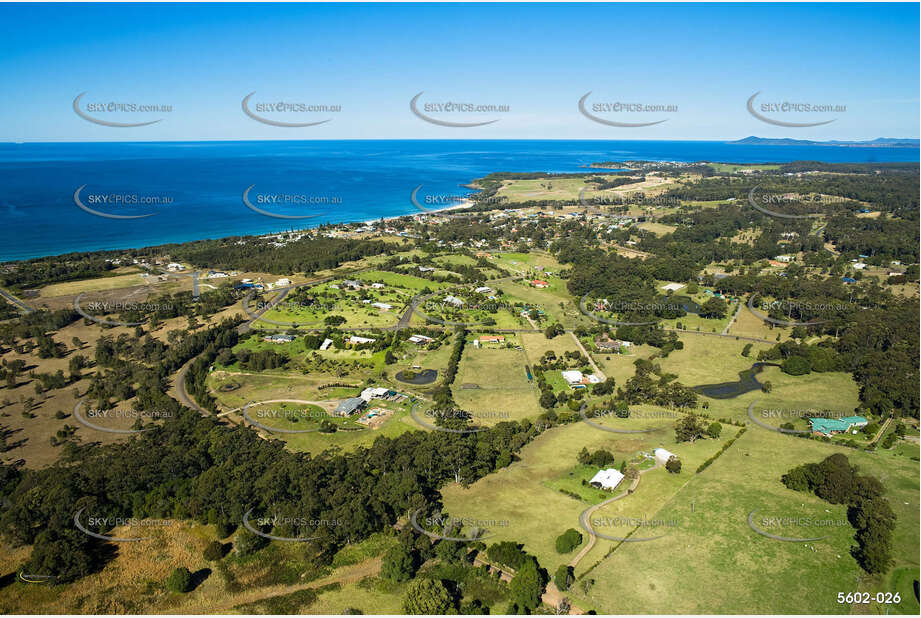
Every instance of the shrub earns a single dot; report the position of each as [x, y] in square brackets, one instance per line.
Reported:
[568, 541]
[563, 577]
[246, 542]
[224, 529]
[673, 465]
[214, 551]
[180, 580]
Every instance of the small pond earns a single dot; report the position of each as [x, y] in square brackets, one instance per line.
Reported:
[728, 390]
[425, 376]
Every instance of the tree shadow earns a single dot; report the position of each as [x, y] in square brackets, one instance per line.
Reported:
[199, 577]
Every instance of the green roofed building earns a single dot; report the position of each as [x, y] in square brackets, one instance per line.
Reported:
[828, 426]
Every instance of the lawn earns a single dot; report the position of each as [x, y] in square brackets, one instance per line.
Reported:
[747, 324]
[549, 300]
[560, 189]
[503, 392]
[408, 282]
[659, 229]
[316, 442]
[524, 495]
[97, 284]
[621, 366]
[571, 481]
[734, 569]
[297, 417]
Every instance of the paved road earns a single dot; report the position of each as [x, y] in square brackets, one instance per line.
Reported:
[180, 392]
[15, 301]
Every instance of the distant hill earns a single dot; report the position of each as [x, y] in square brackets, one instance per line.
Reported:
[887, 142]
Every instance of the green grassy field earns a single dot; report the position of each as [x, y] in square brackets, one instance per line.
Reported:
[525, 495]
[736, 570]
[571, 481]
[659, 229]
[316, 442]
[297, 417]
[408, 282]
[93, 285]
[503, 392]
[548, 189]
[734, 167]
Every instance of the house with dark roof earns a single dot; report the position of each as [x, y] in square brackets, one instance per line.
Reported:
[350, 406]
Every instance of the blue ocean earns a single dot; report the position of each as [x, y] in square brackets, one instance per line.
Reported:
[194, 190]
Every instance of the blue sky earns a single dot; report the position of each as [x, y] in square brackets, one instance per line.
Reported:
[537, 59]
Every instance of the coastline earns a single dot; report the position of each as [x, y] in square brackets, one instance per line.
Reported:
[434, 211]
[371, 182]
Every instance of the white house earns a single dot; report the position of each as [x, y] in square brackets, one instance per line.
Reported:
[278, 338]
[454, 300]
[607, 479]
[572, 377]
[672, 287]
[662, 456]
[353, 340]
[420, 339]
[483, 290]
[282, 282]
[173, 267]
[370, 393]
[860, 265]
[382, 306]
[784, 258]
[326, 343]
[377, 286]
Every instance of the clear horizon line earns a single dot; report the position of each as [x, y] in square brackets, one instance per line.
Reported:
[436, 139]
